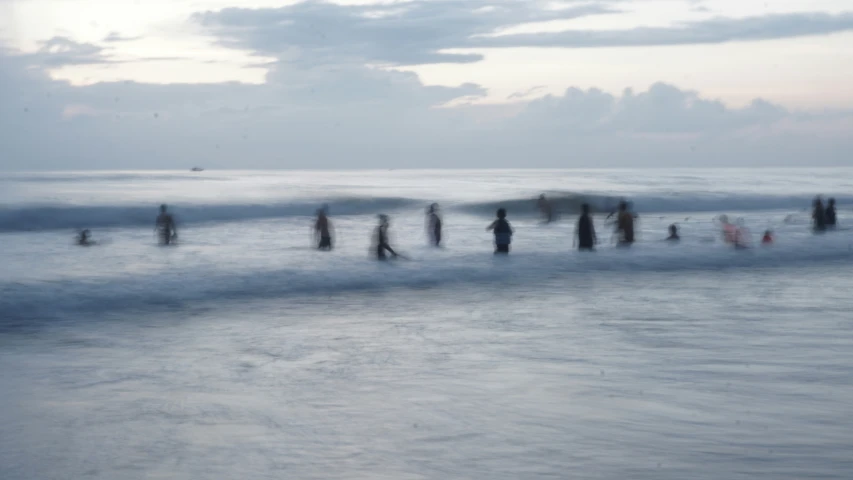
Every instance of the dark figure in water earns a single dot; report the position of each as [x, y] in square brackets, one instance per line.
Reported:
[625, 225]
[629, 206]
[585, 231]
[673, 233]
[84, 239]
[545, 208]
[819, 216]
[434, 225]
[165, 227]
[829, 213]
[503, 232]
[381, 239]
[323, 230]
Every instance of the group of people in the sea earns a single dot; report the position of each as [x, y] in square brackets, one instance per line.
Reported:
[164, 227]
[823, 217]
[585, 238]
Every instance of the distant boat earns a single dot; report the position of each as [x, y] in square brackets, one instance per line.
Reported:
[196, 169]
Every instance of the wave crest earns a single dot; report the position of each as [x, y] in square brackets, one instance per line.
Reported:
[53, 217]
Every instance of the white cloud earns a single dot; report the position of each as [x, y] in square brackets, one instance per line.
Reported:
[422, 32]
[356, 117]
[663, 109]
[321, 95]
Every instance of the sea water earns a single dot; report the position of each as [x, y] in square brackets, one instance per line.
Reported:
[242, 352]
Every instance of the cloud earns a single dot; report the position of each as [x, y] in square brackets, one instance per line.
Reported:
[61, 51]
[302, 117]
[357, 117]
[420, 31]
[717, 30]
[525, 93]
[324, 106]
[114, 37]
[663, 109]
[407, 33]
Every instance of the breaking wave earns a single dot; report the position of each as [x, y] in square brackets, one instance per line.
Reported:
[22, 302]
[63, 216]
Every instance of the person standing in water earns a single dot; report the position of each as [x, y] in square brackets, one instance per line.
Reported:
[729, 230]
[625, 225]
[673, 233]
[503, 232]
[629, 206]
[545, 208]
[829, 213]
[818, 216]
[585, 231]
[322, 230]
[380, 238]
[434, 225]
[84, 239]
[165, 227]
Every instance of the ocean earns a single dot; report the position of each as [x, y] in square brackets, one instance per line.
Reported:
[243, 352]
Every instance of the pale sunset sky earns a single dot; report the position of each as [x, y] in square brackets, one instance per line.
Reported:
[139, 84]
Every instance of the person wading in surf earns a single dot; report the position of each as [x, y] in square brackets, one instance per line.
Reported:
[84, 239]
[322, 230]
[380, 238]
[503, 232]
[625, 225]
[585, 232]
[673, 233]
[819, 216]
[434, 225]
[545, 208]
[829, 213]
[165, 227]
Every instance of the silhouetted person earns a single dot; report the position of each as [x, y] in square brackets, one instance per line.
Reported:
[323, 230]
[629, 206]
[381, 239]
[829, 213]
[434, 225]
[165, 227]
[818, 216]
[673, 233]
[545, 208]
[503, 232]
[767, 239]
[84, 238]
[585, 230]
[625, 225]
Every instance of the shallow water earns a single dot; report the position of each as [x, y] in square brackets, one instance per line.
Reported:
[241, 353]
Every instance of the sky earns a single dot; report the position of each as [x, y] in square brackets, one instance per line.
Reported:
[352, 84]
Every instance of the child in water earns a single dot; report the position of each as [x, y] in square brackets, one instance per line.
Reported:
[768, 238]
[673, 233]
[84, 238]
[503, 232]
